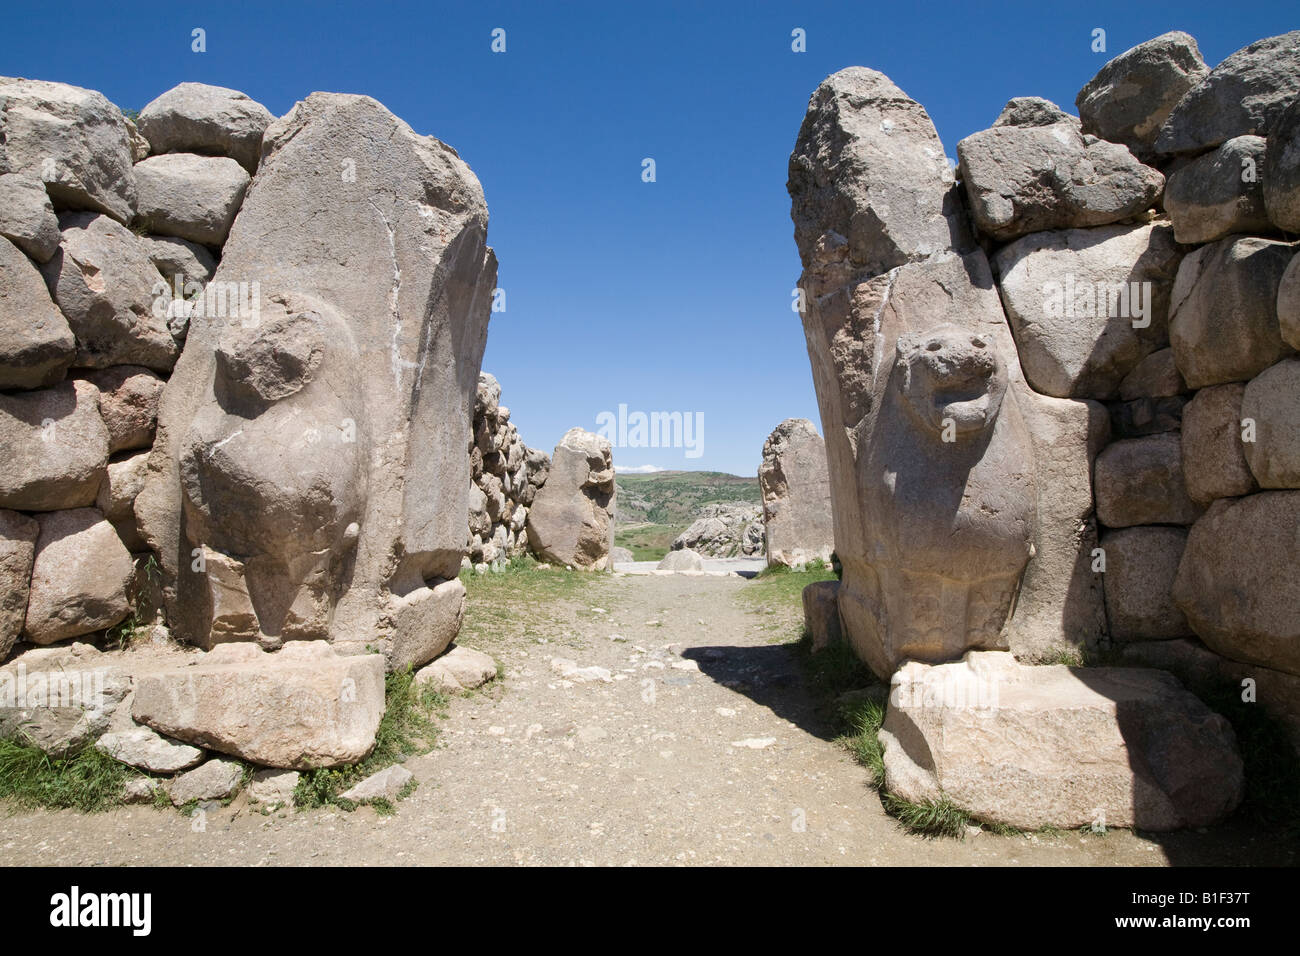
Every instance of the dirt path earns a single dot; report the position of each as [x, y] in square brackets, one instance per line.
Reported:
[703, 748]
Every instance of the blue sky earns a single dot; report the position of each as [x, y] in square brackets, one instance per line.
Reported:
[664, 296]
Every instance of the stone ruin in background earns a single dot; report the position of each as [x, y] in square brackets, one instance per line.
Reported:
[1034, 385]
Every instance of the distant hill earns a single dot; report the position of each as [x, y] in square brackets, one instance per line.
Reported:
[674, 497]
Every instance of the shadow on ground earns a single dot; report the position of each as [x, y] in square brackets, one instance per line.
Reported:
[770, 675]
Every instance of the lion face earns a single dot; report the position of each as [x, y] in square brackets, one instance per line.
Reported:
[951, 378]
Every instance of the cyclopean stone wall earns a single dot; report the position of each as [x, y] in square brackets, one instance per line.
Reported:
[505, 476]
[1058, 388]
[239, 358]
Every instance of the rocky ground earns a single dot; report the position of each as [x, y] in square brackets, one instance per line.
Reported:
[687, 734]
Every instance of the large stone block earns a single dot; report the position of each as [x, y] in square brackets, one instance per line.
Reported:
[571, 521]
[319, 444]
[1214, 462]
[105, 284]
[80, 577]
[1237, 582]
[1059, 746]
[214, 120]
[1246, 93]
[1141, 564]
[54, 447]
[1271, 402]
[191, 197]
[1087, 305]
[73, 139]
[1140, 481]
[796, 495]
[1223, 318]
[1131, 96]
[27, 217]
[868, 178]
[1281, 172]
[18, 535]
[1220, 193]
[1023, 179]
[300, 708]
[36, 345]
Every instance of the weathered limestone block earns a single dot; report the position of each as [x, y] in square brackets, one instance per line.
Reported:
[128, 403]
[1141, 564]
[571, 520]
[59, 699]
[80, 577]
[26, 216]
[1087, 305]
[1214, 461]
[796, 491]
[213, 120]
[1130, 98]
[1023, 179]
[868, 177]
[1213, 196]
[191, 197]
[387, 784]
[140, 747]
[725, 530]
[458, 670]
[1237, 582]
[213, 780]
[1271, 401]
[1059, 746]
[17, 549]
[1281, 172]
[299, 708]
[54, 447]
[1223, 318]
[1246, 93]
[105, 284]
[683, 559]
[1032, 111]
[320, 444]
[1156, 376]
[36, 345]
[175, 257]
[821, 614]
[117, 494]
[1140, 481]
[73, 139]
[1288, 303]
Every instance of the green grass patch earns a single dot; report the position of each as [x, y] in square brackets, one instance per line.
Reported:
[520, 604]
[933, 818]
[778, 586]
[409, 727]
[647, 542]
[88, 781]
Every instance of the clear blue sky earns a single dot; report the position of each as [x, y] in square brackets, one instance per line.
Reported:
[669, 296]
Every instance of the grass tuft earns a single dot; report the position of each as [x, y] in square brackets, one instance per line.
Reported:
[407, 728]
[89, 781]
